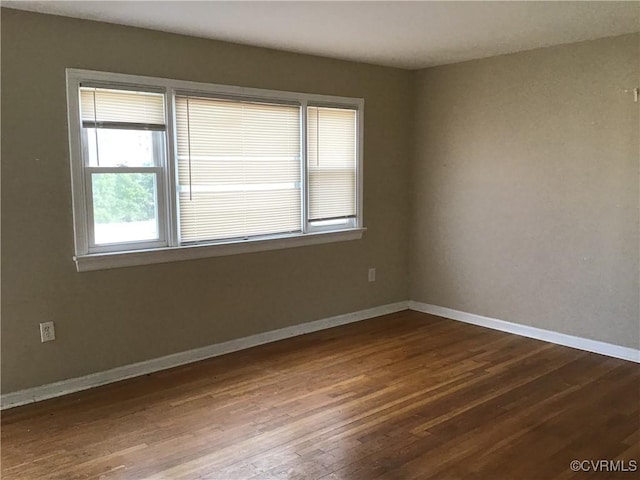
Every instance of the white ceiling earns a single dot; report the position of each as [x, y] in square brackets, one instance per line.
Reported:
[400, 34]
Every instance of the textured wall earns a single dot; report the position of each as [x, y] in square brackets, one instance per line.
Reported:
[525, 189]
[115, 317]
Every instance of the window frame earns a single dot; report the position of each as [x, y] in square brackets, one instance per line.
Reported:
[351, 222]
[168, 248]
[158, 169]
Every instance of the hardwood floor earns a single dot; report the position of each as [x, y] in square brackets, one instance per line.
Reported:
[404, 396]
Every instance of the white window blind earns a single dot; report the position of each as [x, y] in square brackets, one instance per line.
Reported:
[332, 162]
[102, 105]
[238, 168]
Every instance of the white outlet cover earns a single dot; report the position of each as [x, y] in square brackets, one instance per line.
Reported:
[372, 274]
[47, 332]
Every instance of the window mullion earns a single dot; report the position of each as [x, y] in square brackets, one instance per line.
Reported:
[359, 167]
[304, 179]
[88, 188]
[171, 168]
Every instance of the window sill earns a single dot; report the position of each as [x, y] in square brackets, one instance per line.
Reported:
[104, 261]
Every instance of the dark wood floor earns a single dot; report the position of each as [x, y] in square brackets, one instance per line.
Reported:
[404, 396]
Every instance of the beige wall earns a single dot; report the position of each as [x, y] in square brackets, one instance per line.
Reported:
[525, 189]
[523, 194]
[109, 318]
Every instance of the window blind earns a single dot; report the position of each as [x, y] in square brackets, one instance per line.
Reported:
[331, 158]
[100, 105]
[238, 168]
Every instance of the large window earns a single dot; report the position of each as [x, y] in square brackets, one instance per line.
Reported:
[166, 170]
[238, 168]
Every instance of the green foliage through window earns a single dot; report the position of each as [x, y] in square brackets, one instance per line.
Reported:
[123, 197]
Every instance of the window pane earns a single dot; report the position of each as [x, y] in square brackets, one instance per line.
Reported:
[108, 147]
[124, 207]
[238, 168]
[332, 163]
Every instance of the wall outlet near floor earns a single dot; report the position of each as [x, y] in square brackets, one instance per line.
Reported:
[372, 274]
[47, 332]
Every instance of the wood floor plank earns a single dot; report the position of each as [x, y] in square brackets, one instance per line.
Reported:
[403, 396]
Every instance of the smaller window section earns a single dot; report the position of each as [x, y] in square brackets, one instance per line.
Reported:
[123, 135]
[332, 165]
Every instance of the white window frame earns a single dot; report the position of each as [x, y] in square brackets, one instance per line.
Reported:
[168, 248]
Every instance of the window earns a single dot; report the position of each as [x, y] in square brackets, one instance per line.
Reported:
[238, 168]
[331, 156]
[123, 140]
[166, 170]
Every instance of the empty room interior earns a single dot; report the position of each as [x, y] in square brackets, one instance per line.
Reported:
[320, 240]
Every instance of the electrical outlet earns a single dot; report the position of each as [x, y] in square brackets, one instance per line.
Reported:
[372, 274]
[47, 332]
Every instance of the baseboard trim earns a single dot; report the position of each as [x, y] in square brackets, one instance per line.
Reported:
[580, 343]
[64, 387]
[77, 384]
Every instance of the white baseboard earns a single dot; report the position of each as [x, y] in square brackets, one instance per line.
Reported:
[580, 343]
[71, 385]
